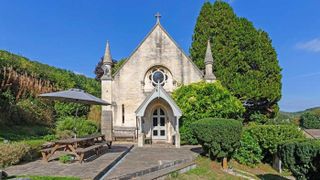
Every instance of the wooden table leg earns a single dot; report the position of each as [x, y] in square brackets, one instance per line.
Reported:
[46, 156]
[109, 144]
[74, 151]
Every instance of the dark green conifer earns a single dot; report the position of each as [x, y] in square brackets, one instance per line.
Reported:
[245, 61]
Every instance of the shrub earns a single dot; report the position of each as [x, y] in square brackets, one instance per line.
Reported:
[249, 152]
[310, 120]
[270, 136]
[259, 118]
[34, 149]
[302, 157]
[203, 100]
[65, 158]
[11, 154]
[34, 111]
[219, 137]
[80, 126]
[50, 137]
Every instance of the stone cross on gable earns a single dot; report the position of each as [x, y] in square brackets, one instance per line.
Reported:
[158, 16]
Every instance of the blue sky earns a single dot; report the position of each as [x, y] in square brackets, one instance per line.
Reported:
[72, 34]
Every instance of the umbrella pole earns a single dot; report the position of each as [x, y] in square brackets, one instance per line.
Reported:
[75, 129]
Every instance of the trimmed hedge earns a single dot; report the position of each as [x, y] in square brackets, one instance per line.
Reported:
[270, 136]
[310, 120]
[302, 157]
[219, 137]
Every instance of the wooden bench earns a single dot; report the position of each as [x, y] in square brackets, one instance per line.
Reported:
[96, 148]
[124, 133]
[47, 152]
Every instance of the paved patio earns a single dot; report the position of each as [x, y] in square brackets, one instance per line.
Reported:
[139, 159]
[87, 170]
[106, 166]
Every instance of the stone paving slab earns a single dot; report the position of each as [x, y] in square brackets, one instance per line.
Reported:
[147, 157]
[86, 170]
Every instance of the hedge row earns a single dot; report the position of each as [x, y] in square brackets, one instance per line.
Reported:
[310, 120]
[302, 157]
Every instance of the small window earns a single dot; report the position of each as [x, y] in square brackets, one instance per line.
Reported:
[162, 133]
[123, 117]
[155, 121]
[155, 132]
[162, 121]
[161, 112]
[155, 112]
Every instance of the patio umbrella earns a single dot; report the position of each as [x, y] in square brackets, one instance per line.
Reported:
[75, 96]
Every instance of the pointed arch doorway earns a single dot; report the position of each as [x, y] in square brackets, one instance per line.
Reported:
[158, 117]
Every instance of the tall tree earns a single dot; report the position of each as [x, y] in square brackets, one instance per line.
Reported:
[245, 61]
[202, 32]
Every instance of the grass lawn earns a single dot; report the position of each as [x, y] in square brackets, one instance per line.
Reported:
[207, 169]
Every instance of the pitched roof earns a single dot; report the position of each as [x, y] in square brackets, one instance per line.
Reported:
[154, 27]
[158, 92]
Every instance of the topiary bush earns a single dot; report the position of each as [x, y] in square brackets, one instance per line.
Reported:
[203, 100]
[249, 152]
[80, 126]
[219, 138]
[310, 120]
[301, 157]
[270, 136]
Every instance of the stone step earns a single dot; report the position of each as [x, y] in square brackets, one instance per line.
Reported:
[163, 173]
[156, 171]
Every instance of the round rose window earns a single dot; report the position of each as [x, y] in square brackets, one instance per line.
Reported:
[158, 76]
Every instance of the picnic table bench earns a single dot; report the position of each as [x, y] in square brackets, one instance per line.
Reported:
[77, 146]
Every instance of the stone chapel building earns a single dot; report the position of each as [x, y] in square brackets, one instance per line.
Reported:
[139, 92]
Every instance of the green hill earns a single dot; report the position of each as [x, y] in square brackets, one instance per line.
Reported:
[299, 113]
[21, 80]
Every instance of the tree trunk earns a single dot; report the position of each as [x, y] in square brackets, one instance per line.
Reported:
[225, 163]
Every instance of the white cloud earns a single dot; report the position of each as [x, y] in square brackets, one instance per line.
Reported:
[313, 45]
[306, 75]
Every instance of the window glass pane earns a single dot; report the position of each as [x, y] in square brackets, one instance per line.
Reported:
[155, 132]
[162, 121]
[155, 112]
[162, 132]
[155, 121]
[161, 112]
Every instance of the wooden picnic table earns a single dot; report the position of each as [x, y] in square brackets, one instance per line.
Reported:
[73, 144]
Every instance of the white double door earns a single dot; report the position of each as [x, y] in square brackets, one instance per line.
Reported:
[159, 124]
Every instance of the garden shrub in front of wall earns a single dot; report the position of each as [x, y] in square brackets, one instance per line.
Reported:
[80, 126]
[310, 120]
[301, 157]
[249, 152]
[270, 136]
[218, 137]
[203, 100]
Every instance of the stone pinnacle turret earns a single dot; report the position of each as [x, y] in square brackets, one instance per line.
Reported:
[208, 60]
[107, 59]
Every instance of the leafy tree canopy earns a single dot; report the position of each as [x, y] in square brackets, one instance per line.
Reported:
[203, 100]
[245, 61]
